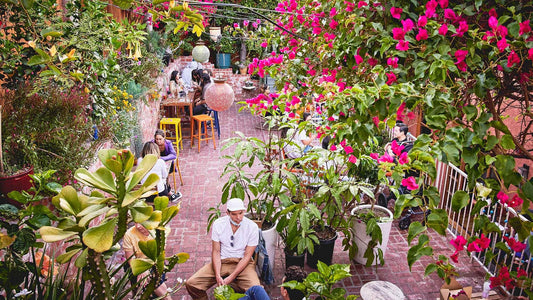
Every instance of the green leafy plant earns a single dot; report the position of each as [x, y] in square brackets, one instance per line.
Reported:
[19, 236]
[321, 283]
[226, 292]
[91, 244]
[226, 45]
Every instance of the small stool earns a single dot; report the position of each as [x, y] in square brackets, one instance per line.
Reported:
[217, 124]
[176, 122]
[381, 290]
[201, 120]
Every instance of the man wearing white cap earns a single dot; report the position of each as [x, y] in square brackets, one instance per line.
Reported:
[234, 238]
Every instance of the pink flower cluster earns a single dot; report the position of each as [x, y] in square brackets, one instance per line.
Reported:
[504, 278]
[477, 245]
[516, 201]
[261, 64]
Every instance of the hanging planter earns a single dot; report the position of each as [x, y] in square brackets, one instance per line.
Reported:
[219, 96]
[214, 33]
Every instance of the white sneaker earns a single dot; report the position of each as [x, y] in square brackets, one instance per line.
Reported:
[175, 197]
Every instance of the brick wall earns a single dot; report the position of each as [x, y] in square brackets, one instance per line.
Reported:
[149, 113]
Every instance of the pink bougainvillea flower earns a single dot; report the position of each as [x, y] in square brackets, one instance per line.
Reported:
[333, 12]
[358, 59]
[374, 156]
[317, 30]
[245, 23]
[513, 59]
[385, 158]
[473, 247]
[255, 25]
[333, 147]
[408, 25]
[524, 27]
[376, 120]
[410, 183]
[515, 245]
[348, 149]
[361, 4]
[455, 257]
[462, 66]
[422, 21]
[502, 44]
[333, 24]
[493, 13]
[463, 28]
[460, 55]
[404, 159]
[292, 115]
[398, 33]
[391, 78]
[530, 54]
[411, 115]
[479, 244]
[264, 44]
[503, 278]
[450, 14]
[372, 62]
[431, 6]
[396, 12]
[393, 62]
[349, 6]
[402, 46]
[502, 31]
[399, 112]
[516, 201]
[493, 22]
[352, 159]
[443, 29]
[521, 273]
[396, 148]
[443, 3]
[236, 25]
[458, 243]
[422, 35]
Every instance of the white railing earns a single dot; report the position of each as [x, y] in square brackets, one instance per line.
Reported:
[451, 179]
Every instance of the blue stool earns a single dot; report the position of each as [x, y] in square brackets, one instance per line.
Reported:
[215, 117]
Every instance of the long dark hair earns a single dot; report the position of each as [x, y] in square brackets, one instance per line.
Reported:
[174, 75]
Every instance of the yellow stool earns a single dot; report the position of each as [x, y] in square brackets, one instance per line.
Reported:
[176, 122]
[199, 120]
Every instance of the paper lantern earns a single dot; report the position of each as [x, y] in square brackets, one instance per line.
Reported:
[219, 96]
[214, 33]
[200, 52]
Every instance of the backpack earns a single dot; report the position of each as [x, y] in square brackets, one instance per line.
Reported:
[262, 266]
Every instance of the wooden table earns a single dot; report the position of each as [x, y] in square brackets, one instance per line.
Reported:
[180, 102]
[381, 290]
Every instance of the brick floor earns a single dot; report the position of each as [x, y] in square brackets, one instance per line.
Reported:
[202, 190]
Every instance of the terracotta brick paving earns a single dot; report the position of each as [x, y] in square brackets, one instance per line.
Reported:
[202, 190]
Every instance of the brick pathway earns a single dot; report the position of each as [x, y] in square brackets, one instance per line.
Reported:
[202, 190]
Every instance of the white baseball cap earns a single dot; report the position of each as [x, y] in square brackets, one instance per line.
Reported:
[235, 204]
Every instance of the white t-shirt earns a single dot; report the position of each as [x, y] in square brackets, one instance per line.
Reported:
[160, 168]
[296, 148]
[246, 235]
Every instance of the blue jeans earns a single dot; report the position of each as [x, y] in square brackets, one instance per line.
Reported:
[256, 292]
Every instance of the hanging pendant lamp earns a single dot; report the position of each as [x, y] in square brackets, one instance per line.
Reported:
[219, 96]
[200, 52]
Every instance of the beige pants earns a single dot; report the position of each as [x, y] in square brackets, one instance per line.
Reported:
[204, 278]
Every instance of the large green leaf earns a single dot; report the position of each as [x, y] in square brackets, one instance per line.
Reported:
[109, 158]
[438, 220]
[130, 197]
[102, 182]
[52, 234]
[123, 4]
[149, 248]
[153, 221]
[100, 238]
[139, 265]
[141, 212]
[415, 229]
[88, 217]
[81, 261]
[460, 200]
[67, 256]
[143, 168]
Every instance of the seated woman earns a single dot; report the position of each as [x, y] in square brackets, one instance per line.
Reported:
[160, 169]
[176, 85]
[200, 106]
[130, 245]
[301, 141]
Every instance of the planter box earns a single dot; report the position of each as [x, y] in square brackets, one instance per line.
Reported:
[362, 239]
[452, 289]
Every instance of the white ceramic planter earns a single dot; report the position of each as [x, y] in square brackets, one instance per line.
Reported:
[271, 242]
[362, 239]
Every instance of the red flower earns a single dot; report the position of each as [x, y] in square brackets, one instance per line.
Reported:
[458, 243]
[502, 197]
[422, 21]
[502, 44]
[385, 158]
[422, 35]
[396, 12]
[397, 149]
[358, 59]
[398, 34]
[493, 22]
[463, 28]
[515, 245]
[524, 27]
[410, 183]
[443, 29]
[450, 14]
[455, 257]
[393, 62]
[361, 4]
[530, 54]
[372, 61]
[391, 78]
[516, 201]
[461, 55]
[348, 149]
[402, 46]
[479, 244]
[512, 59]
[404, 159]
[333, 147]
[352, 159]
[374, 156]
[443, 3]
[333, 24]
[521, 273]
[376, 121]
[408, 25]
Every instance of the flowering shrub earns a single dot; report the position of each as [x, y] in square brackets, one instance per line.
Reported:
[461, 64]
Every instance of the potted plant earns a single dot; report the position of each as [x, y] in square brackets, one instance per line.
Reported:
[225, 47]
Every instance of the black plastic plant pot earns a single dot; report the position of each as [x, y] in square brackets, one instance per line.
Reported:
[323, 252]
[293, 259]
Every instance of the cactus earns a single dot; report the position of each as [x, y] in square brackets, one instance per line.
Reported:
[117, 193]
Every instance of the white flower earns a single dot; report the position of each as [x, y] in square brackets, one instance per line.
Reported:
[24, 292]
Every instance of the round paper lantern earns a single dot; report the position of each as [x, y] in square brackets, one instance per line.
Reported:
[200, 52]
[219, 96]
